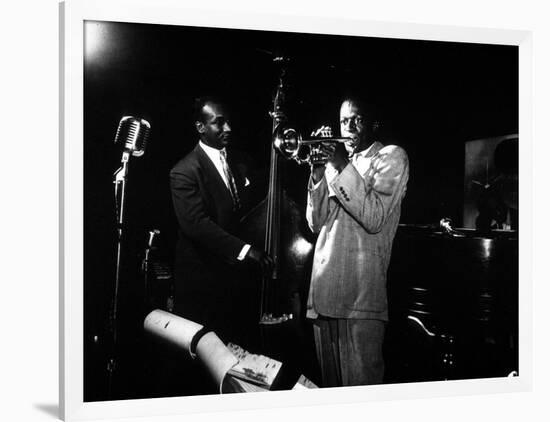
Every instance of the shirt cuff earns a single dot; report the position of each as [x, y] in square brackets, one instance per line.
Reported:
[243, 253]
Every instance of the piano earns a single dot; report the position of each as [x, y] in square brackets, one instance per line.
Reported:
[453, 300]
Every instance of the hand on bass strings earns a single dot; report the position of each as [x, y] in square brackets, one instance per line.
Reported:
[261, 259]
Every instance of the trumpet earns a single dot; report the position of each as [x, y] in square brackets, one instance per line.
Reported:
[289, 143]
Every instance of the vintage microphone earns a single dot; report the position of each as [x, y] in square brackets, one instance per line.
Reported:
[133, 134]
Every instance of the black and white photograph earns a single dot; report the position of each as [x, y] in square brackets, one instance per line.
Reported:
[268, 210]
[275, 211]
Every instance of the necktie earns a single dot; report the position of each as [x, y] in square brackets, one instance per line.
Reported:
[230, 180]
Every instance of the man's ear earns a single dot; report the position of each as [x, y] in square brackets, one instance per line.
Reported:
[199, 126]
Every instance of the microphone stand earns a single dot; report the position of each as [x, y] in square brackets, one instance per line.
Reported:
[120, 178]
[147, 303]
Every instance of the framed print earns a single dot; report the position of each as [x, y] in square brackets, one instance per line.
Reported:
[263, 212]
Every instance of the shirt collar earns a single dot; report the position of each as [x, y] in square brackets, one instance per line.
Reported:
[371, 150]
[213, 153]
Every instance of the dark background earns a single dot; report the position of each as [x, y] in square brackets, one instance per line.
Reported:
[432, 97]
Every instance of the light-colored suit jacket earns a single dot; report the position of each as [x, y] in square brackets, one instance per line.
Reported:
[356, 220]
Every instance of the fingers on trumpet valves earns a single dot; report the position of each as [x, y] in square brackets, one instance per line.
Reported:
[323, 131]
[327, 132]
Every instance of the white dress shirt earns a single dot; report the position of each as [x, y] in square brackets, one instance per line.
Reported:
[214, 155]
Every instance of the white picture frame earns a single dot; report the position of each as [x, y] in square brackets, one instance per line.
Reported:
[73, 14]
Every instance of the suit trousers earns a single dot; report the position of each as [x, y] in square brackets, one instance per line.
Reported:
[349, 351]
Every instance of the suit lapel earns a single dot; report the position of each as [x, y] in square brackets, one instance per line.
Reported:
[375, 147]
[362, 161]
[212, 175]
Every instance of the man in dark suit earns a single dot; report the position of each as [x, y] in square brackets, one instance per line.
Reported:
[210, 193]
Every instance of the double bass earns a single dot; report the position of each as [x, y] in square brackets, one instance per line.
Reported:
[278, 225]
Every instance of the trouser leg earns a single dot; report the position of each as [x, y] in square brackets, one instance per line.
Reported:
[361, 358]
[326, 347]
[349, 351]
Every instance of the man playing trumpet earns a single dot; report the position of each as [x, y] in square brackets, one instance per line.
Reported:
[354, 204]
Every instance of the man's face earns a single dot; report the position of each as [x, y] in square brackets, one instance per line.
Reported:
[352, 125]
[214, 130]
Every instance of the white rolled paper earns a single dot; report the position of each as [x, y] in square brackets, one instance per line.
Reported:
[217, 358]
[211, 351]
[172, 328]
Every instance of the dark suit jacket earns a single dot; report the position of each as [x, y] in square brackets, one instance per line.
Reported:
[208, 286]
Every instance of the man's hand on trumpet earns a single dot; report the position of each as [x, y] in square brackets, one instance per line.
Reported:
[324, 152]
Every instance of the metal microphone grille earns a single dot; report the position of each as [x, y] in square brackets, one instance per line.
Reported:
[134, 133]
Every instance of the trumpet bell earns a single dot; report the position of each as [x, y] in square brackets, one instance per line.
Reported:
[287, 141]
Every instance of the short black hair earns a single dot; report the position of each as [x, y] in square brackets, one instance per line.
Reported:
[366, 108]
[199, 103]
